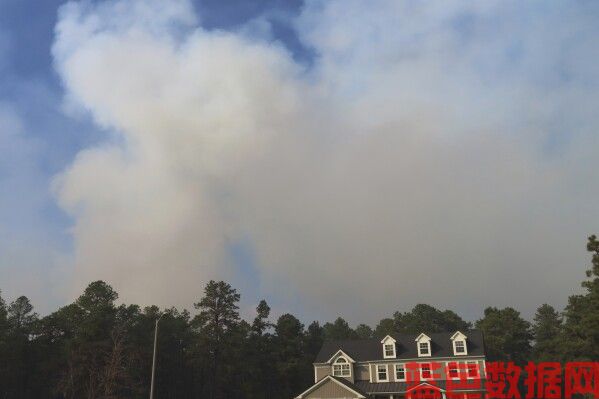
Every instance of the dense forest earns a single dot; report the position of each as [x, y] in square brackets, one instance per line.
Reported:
[96, 348]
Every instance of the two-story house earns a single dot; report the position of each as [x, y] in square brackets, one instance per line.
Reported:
[447, 364]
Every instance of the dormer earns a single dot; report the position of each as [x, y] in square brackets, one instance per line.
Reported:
[389, 349]
[459, 344]
[341, 365]
[423, 344]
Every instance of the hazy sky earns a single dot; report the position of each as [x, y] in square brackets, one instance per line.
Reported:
[333, 157]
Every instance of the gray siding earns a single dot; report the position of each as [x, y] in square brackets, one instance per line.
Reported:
[322, 372]
[331, 390]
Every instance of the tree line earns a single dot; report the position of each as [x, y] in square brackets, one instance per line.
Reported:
[95, 348]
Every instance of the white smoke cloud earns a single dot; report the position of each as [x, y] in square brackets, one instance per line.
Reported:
[436, 153]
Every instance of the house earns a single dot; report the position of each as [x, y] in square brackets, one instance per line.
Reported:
[432, 365]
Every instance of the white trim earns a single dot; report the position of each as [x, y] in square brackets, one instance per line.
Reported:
[423, 337]
[458, 334]
[341, 354]
[485, 369]
[405, 372]
[386, 372]
[370, 371]
[329, 378]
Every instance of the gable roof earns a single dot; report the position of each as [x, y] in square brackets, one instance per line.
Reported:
[341, 353]
[371, 349]
[458, 334]
[387, 338]
[422, 337]
[341, 381]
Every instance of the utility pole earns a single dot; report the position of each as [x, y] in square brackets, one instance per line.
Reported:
[154, 357]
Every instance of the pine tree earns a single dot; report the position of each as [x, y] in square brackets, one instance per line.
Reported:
[218, 325]
[339, 329]
[546, 330]
[580, 338]
[385, 327]
[363, 331]
[507, 335]
[426, 318]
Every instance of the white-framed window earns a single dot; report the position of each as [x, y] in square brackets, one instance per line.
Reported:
[381, 373]
[341, 368]
[388, 347]
[459, 344]
[424, 349]
[389, 350]
[459, 347]
[453, 370]
[400, 372]
[472, 369]
[426, 371]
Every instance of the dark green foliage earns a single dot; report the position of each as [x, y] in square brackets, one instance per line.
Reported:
[580, 336]
[427, 318]
[384, 328]
[363, 331]
[219, 332]
[507, 335]
[20, 324]
[546, 329]
[339, 329]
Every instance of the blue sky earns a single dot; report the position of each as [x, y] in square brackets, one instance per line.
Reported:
[308, 153]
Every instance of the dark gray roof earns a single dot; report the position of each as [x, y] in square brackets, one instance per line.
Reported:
[399, 387]
[372, 349]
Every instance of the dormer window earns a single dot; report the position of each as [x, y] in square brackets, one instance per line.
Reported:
[423, 344]
[389, 350]
[388, 347]
[459, 344]
[341, 368]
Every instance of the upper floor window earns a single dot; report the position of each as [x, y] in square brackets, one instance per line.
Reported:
[460, 347]
[341, 368]
[381, 372]
[472, 369]
[453, 370]
[425, 371]
[400, 372]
